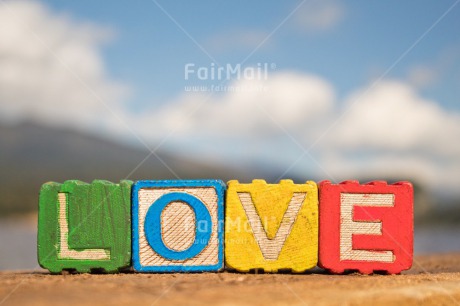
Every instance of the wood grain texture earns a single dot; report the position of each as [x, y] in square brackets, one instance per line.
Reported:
[271, 226]
[84, 227]
[434, 282]
[366, 227]
[179, 224]
[64, 251]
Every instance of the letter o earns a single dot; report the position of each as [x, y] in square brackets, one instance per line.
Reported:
[152, 226]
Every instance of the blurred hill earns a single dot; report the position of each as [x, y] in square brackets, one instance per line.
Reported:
[31, 155]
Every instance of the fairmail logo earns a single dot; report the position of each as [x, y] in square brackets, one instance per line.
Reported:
[227, 72]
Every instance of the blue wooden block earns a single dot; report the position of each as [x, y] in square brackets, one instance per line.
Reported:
[178, 225]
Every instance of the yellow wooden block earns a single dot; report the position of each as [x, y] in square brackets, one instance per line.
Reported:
[271, 226]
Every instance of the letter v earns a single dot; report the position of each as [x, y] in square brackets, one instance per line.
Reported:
[271, 248]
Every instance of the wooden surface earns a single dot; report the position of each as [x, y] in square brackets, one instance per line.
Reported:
[434, 280]
[366, 227]
[188, 223]
[84, 226]
[271, 226]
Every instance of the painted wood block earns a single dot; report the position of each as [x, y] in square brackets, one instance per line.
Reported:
[271, 226]
[84, 227]
[366, 227]
[178, 225]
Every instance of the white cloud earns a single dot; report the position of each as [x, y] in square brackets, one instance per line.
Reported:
[319, 15]
[290, 99]
[422, 76]
[437, 71]
[52, 70]
[393, 117]
[389, 130]
[439, 176]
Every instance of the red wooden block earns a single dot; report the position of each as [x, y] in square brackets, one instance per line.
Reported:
[366, 227]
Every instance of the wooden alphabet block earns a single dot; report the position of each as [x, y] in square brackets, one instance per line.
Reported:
[178, 225]
[271, 226]
[366, 227]
[84, 227]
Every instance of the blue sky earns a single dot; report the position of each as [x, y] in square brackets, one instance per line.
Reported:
[150, 50]
[354, 88]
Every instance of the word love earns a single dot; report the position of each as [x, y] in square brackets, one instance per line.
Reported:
[206, 225]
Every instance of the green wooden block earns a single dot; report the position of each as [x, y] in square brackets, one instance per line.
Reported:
[84, 227]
